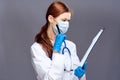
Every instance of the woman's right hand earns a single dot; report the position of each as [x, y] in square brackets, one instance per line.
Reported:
[58, 42]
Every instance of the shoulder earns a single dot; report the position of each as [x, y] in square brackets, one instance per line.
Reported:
[36, 45]
[37, 50]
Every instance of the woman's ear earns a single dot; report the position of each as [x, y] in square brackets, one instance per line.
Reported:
[50, 19]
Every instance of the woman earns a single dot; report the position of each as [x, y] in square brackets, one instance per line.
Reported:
[54, 57]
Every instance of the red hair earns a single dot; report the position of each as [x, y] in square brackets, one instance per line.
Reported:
[55, 9]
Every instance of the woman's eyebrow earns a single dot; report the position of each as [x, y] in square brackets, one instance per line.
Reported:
[66, 19]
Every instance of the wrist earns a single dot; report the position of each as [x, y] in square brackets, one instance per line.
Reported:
[56, 48]
[54, 51]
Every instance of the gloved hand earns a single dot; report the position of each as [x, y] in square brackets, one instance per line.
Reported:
[80, 71]
[58, 42]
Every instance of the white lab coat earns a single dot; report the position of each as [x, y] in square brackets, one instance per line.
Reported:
[47, 69]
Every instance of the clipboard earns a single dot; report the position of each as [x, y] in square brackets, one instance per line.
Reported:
[90, 47]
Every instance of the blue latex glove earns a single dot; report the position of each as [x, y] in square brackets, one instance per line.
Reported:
[80, 71]
[58, 42]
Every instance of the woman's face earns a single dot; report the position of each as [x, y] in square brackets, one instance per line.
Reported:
[63, 17]
[62, 21]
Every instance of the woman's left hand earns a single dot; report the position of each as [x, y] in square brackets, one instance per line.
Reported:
[80, 71]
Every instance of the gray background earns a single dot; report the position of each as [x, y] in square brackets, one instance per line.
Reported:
[20, 20]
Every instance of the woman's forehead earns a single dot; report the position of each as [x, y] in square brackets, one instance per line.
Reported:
[66, 15]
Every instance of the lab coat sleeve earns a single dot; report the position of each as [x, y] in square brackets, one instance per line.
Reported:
[45, 68]
[76, 62]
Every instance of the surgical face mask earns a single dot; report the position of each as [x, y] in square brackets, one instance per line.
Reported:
[63, 27]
